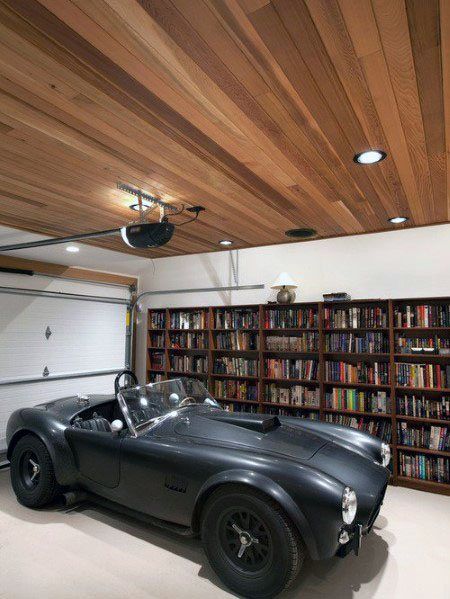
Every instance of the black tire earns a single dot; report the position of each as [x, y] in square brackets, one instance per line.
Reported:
[273, 553]
[33, 486]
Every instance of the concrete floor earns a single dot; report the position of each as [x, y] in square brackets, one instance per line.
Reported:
[91, 552]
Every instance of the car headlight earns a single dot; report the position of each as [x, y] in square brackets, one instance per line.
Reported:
[385, 454]
[349, 505]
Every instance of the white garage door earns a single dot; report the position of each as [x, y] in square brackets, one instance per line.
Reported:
[48, 337]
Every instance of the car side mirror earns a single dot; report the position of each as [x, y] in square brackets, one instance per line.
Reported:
[116, 426]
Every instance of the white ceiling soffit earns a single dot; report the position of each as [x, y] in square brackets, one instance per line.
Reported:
[88, 257]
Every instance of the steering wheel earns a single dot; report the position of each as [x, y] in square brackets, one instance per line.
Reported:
[122, 373]
[187, 401]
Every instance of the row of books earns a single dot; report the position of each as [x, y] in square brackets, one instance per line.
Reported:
[405, 345]
[355, 317]
[157, 360]
[189, 363]
[238, 340]
[295, 395]
[424, 407]
[291, 369]
[425, 437]
[240, 407]
[358, 401]
[188, 341]
[157, 319]
[379, 428]
[236, 318]
[155, 377]
[235, 366]
[434, 376]
[157, 340]
[424, 315]
[373, 373]
[306, 342]
[236, 390]
[366, 343]
[189, 320]
[425, 467]
[277, 411]
[291, 318]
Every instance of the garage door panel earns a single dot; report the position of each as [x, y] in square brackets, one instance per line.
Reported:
[84, 336]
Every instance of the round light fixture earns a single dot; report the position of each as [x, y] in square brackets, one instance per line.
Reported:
[398, 220]
[145, 205]
[72, 248]
[226, 242]
[369, 157]
[304, 233]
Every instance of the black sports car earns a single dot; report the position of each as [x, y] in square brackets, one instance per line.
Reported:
[262, 491]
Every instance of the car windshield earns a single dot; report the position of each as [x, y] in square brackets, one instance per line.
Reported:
[143, 406]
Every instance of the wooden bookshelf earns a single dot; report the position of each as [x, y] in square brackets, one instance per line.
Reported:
[259, 333]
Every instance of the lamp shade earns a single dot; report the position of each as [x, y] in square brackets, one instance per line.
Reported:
[284, 281]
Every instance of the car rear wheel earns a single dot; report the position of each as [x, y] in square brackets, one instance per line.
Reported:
[250, 542]
[32, 475]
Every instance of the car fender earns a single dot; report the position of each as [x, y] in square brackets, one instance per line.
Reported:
[268, 486]
[51, 432]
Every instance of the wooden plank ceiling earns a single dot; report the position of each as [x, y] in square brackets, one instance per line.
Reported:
[252, 108]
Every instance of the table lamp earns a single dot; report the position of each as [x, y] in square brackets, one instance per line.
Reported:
[286, 285]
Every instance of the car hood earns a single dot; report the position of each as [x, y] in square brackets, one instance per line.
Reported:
[252, 431]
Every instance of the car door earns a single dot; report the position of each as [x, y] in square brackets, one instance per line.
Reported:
[97, 456]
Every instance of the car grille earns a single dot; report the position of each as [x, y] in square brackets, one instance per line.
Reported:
[376, 509]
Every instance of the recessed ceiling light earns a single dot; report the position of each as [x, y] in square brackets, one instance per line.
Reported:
[145, 205]
[72, 248]
[370, 156]
[225, 242]
[304, 233]
[397, 220]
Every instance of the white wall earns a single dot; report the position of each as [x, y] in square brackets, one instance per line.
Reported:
[403, 263]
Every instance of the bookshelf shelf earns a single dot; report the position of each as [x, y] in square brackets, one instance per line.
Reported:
[357, 385]
[423, 420]
[357, 413]
[445, 454]
[251, 325]
[291, 406]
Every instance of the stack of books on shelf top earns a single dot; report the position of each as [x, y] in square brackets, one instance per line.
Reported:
[236, 318]
[290, 318]
[192, 319]
[422, 315]
[355, 317]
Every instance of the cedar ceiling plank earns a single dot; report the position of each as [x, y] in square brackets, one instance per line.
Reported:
[331, 27]
[392, 24]
[444, 11]
[273, 32]
[66, 36]
[367, 44]
[423, 18]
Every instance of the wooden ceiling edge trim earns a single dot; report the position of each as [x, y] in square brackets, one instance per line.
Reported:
[67, 272]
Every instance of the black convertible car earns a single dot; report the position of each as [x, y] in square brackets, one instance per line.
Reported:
[262, 491]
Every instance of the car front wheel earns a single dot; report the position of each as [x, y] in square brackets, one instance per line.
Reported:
[251, 544]
[32, 474]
